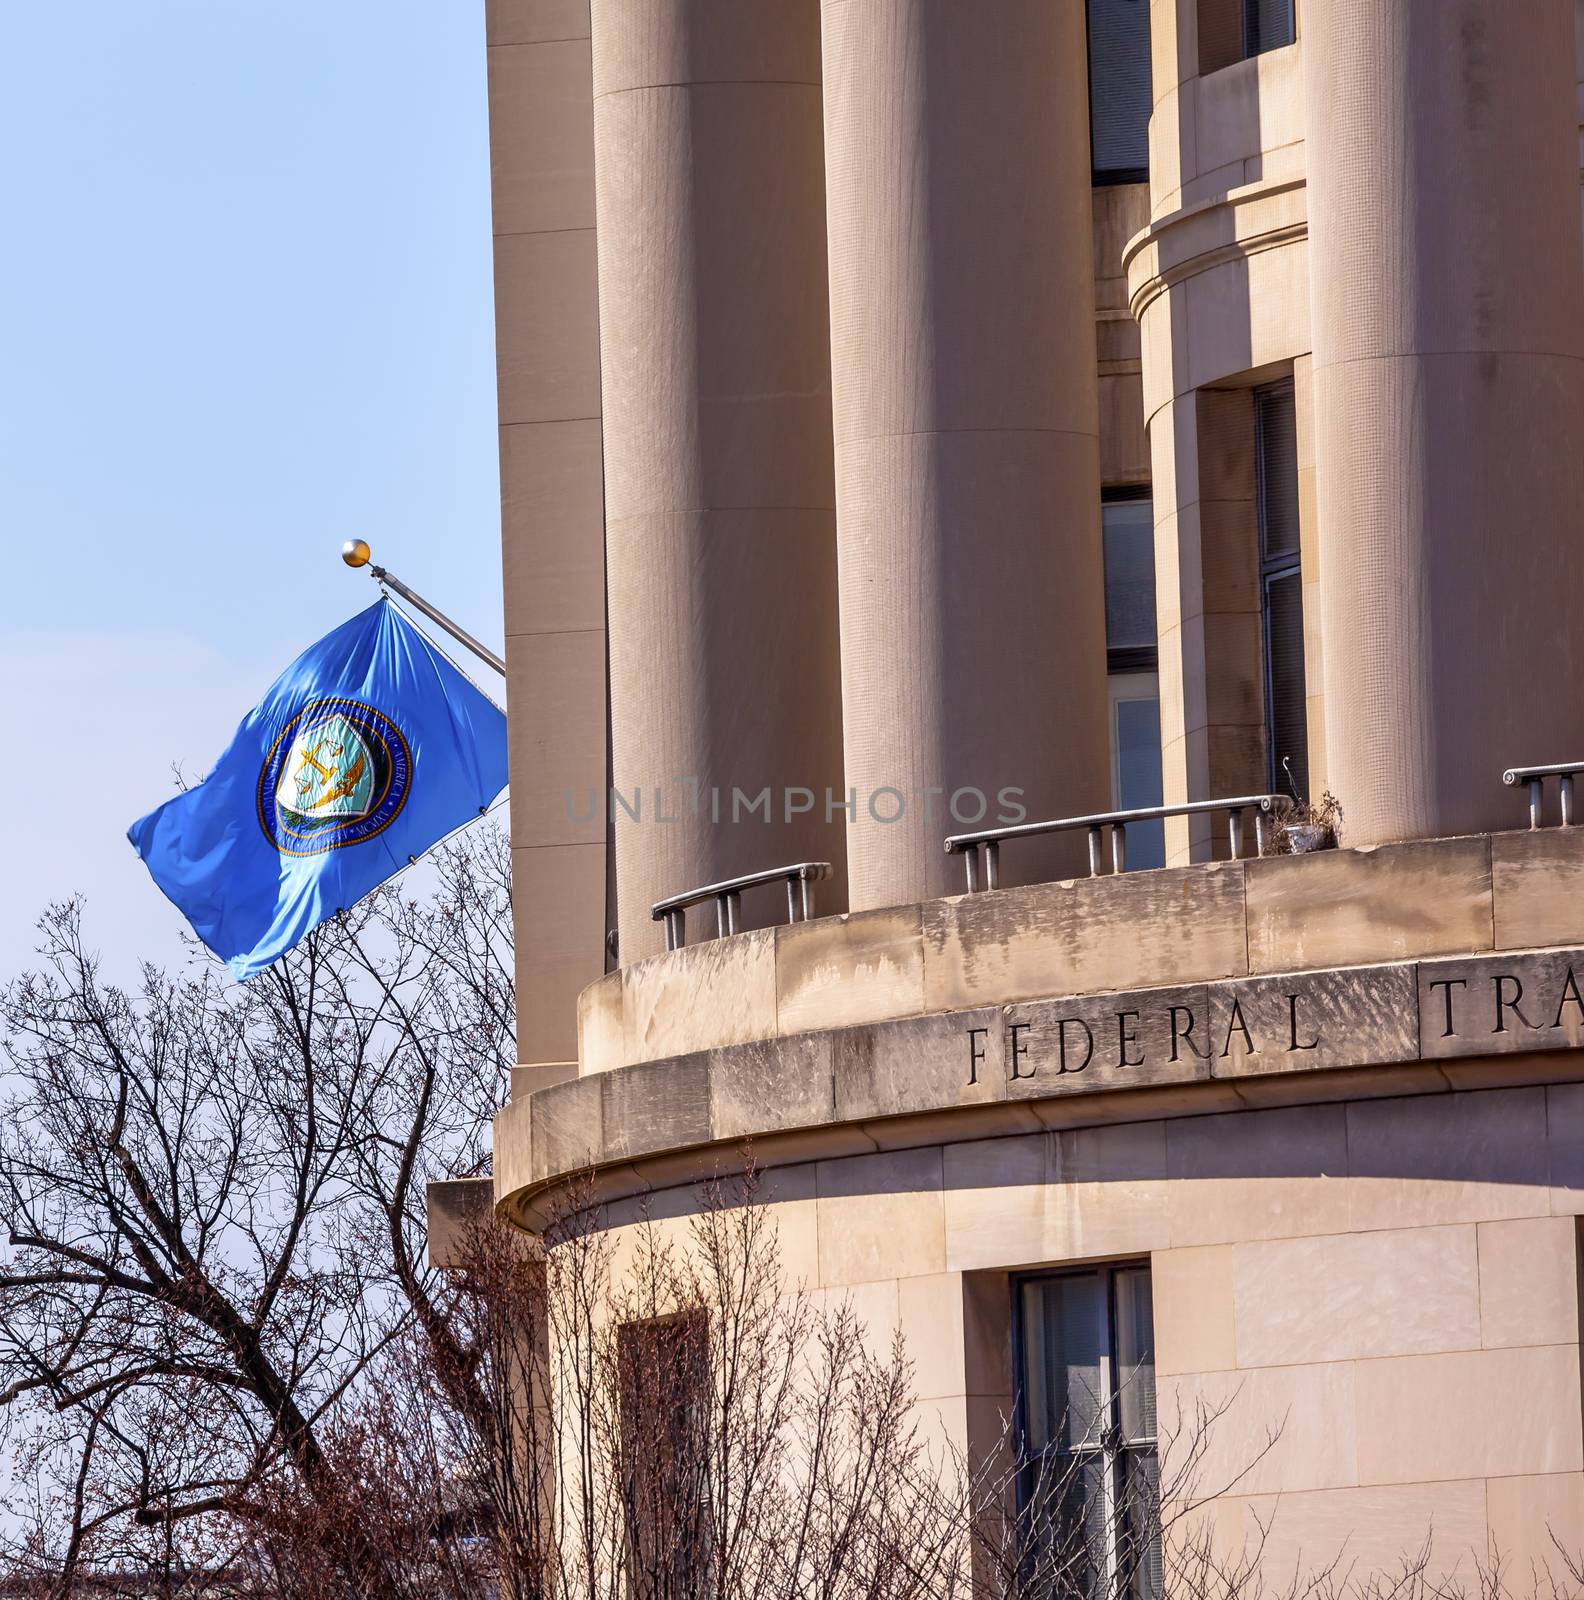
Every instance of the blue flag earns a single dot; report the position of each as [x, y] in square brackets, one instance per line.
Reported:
[367, 750]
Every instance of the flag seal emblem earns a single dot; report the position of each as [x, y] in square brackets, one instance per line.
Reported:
[338, 774]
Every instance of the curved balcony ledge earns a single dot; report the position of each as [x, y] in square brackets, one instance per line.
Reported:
[1087, 935]
[1407, 968]
[1215, 131]
[1243, 222]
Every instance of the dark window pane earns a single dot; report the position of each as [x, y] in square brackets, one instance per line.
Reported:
[1089, 1514]
[1064, 1527]
[1276, 434]
[1119, 89]
[1129, 530]
[1139, 774]
[1267, 25]
[1135, 1353]
[1221, 32]
[1139, 1552]
[1063, 1347]
[1284, 654]
[1276, 438]
[663, 1461]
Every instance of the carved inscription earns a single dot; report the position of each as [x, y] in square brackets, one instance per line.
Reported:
[1498, 1005]
[1137, 1035]
[1341, 1018]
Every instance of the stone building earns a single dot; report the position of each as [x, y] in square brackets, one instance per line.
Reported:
[934, 413]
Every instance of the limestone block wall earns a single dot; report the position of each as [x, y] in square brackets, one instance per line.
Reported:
[1389, 1285]
[552, 507]
[1179, 925]
[1399, 1280]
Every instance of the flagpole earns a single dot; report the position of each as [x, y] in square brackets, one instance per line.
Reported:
[355, 552]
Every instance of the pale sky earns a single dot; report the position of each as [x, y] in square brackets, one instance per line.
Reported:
[245, 312]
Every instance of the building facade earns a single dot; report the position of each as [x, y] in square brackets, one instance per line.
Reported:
[922, 414]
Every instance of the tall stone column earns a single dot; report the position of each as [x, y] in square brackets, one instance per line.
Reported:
[967, 455]
[1448, 313]
[720, 511]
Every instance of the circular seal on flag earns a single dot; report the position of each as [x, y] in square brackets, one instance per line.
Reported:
[338, 774]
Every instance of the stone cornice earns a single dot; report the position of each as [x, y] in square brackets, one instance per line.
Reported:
[1354, 1032]
[1241, 223]
[1285, 980]
[1091, 935]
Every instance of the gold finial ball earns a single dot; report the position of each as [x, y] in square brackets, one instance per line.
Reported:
[355, 552]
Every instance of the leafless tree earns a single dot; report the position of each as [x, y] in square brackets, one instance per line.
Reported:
[720, 1434]
[214, 1198]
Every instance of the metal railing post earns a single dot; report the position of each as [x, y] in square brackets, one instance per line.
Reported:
[992, 865]
[1536, 792]
[799, 880]
[1235, 832]
[1094, 852]
[1566, 786]
[1119, 847]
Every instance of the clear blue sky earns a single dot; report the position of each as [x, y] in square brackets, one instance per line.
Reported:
[245, 312]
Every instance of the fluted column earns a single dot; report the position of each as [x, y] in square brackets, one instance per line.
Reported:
[720, 516]
[967, 457]
[1448, 313]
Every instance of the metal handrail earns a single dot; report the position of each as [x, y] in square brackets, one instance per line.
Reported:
[1535, 777]
[1117, 821]
[799, 878]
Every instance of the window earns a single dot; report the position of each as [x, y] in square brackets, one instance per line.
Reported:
[1128, 523]
[1267, 25]
[1119, 90]
[1136, 761]
[663, 1370]
[1281, 587]
[1090, 1485]
[1234, 30]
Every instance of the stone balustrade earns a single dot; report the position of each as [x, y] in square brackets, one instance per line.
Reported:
[1182, 991]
